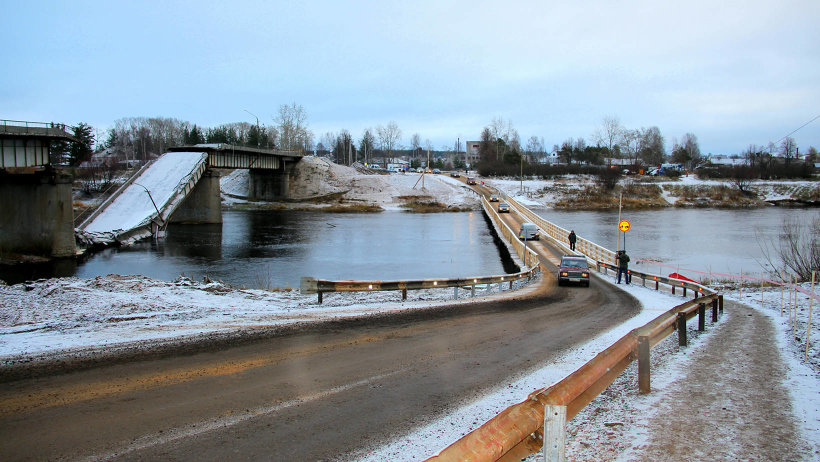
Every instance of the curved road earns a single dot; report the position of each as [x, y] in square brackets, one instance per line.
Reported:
[318, 393]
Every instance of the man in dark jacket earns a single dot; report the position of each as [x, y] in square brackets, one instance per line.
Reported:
[623, 265]
[572, 239]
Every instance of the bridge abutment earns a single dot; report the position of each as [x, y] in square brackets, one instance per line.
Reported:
[37, 216]
[203, 204]
[269, 185]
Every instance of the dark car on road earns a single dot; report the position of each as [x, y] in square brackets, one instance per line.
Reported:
[470, 180]
[454, 174]
[493, 198]
[573, 268]
[503, 208]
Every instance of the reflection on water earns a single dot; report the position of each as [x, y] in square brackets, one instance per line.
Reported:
[277, 248]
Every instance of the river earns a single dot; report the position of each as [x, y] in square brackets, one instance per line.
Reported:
[724, 241]
[265, 249]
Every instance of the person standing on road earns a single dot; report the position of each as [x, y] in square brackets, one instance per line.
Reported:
[572, 239]
[623, 265]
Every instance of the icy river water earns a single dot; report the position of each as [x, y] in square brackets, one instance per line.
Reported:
[264, 249]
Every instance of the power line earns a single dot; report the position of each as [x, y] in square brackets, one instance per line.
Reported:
[798, 128]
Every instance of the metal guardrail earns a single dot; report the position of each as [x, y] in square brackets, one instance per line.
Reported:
[674, 283]
[539, 422]
[310, 285]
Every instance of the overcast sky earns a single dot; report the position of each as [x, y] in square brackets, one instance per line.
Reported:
[732, 73]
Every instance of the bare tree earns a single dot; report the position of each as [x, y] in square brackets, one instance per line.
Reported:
[415, 144]
[294, 134]
[504, 131]
[629, 142]
[788, 149]
[496, 129]
[389, 137]
[796, 252]
[609, 133]
[687, 152]
[534, 148]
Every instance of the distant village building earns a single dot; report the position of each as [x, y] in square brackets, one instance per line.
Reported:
[551, 158]
[398, 165]
[471, 150]
[723, 159]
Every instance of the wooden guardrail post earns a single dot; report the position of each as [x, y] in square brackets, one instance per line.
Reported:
[720, 304]
[320, 297]
[555, 422]
[681, 326]
[404, 294]
[701, 317]
[643, 364]
[714, 310]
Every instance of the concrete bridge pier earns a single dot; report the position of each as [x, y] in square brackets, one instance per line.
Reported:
[37, 216]
[203, 204]
[270, 185]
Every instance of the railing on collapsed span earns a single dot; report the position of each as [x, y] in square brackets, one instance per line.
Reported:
[310, 285]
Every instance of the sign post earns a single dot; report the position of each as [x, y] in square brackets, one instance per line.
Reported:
[624, 226]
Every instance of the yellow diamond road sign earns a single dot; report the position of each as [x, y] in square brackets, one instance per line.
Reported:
[623, 225]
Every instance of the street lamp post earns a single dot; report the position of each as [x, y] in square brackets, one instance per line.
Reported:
[258, 133]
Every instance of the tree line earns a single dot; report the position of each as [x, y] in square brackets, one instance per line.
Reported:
[501, 152]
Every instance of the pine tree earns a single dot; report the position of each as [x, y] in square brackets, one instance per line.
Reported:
[81, 149]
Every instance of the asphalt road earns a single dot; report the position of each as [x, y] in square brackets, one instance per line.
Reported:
[316, 393]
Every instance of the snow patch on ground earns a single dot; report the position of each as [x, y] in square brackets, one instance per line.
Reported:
[69, 314]
[317, 177]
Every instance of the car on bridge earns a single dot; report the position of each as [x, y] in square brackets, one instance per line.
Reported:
[528, 232]
[470, 180]
[455, 174]
[503, 208]
[493, 198]
[573, 268]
